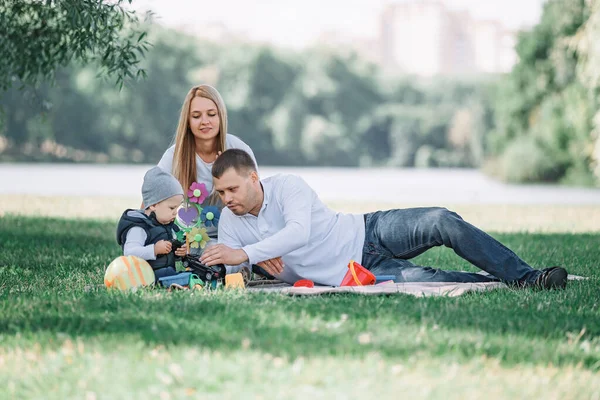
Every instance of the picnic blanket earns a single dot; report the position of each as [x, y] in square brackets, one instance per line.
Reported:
[418, 289]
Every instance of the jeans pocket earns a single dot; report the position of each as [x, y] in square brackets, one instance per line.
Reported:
[376, 250]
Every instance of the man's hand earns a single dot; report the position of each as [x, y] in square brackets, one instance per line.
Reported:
[182, 251]
[273, 266]
[221, 254]
[162, 247]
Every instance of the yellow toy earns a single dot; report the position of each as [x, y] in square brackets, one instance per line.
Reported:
[234, 281]
[126, 272]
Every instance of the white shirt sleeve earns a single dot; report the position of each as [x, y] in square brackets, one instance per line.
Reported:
[296, 201]
[134, 244]
[166, 161]
[227, 238]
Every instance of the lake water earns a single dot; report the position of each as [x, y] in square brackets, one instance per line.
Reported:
[427, 186]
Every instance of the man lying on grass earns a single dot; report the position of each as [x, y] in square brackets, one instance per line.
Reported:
[280, 224]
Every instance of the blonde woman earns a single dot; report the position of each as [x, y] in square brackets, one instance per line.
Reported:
[201, 136]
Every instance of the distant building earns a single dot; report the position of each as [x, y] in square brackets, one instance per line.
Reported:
[368, 48]
[214, 32]
[426, 38]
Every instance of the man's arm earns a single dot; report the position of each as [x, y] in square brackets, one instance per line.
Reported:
[228, 251]
[227, 238]
[296, 198]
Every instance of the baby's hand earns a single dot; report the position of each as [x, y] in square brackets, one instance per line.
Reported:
[162, 247]
[182, 251]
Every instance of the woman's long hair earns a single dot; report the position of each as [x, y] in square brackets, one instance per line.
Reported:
[184, 158]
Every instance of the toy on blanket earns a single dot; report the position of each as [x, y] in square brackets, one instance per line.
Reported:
[235, 281]
[182, 280]
[304, 283]
[207, 275]
[357, 275]
[126, 272]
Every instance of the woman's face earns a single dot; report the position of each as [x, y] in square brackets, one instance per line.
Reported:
[204, 118]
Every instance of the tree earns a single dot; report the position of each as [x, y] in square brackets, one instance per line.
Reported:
[38, 36]
[546, 105]
[589, 74]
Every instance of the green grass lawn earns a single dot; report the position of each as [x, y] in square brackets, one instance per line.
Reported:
[63, 336]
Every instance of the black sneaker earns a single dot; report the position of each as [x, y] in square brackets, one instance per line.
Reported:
[552, 278]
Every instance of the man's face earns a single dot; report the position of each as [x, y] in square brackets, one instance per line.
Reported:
[237, 191]
[166, 210]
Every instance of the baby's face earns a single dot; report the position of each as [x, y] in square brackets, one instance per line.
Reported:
[166, 210]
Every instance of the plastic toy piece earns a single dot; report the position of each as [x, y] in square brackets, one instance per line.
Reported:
[187, 244]
[204, 272]
[210, 216]
[198, 237]
[181, 279]
[193, 220]
[384, 279]
[180, 236]
[197, 193]
[235, 280]
[304, 283]
[357, 275]
[187, 214]
[195, 281]
[191, 280]
[177, 286]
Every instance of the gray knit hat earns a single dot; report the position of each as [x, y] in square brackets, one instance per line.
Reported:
[158, 186]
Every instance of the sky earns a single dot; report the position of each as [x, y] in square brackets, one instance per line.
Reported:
[298, 23]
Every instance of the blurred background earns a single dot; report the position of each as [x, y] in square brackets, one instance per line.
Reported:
[468, 95]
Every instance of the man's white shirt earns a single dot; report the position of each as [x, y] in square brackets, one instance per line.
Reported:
[314, 241]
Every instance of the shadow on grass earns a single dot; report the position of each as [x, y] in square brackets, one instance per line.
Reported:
[514, 326]
[527, 329]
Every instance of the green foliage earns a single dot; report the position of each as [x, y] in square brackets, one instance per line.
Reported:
[310, 108]
[38, 36]
[63, 332]
[544, 105]
[313, 108]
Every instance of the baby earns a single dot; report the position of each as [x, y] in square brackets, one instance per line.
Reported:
[148, 233]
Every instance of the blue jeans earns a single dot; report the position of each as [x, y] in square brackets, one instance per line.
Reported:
[395, 236]
[162, 272]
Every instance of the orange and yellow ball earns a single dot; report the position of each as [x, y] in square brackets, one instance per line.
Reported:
[126, 272]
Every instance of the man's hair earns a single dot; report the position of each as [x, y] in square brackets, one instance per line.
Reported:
[233, 158]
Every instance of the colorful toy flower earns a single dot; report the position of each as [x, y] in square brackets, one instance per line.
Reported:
[188, 215]
[210, 216]
[198, 237]
[197, 192]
